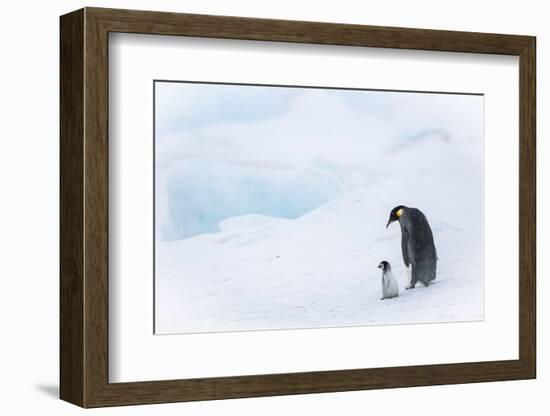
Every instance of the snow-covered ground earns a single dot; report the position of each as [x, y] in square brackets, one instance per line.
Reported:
[318, 270]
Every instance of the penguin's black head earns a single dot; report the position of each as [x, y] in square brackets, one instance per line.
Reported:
[395, 214]
[384, 265]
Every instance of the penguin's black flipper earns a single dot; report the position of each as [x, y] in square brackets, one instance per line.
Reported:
[404, 246]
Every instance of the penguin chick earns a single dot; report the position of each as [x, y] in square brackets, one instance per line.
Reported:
[390, 288]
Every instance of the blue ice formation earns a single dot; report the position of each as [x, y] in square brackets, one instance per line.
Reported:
[200, 194]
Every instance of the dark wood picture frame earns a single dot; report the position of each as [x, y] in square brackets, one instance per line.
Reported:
[84, 207]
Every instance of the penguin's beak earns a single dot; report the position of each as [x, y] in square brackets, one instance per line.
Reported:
[389, 222]
[379, 266]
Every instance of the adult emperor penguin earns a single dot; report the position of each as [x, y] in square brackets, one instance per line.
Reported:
[390, 288]
[417, 244]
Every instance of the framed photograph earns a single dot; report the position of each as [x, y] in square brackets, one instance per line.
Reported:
[254, 207]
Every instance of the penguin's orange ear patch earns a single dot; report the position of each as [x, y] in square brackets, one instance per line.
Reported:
[399, 212]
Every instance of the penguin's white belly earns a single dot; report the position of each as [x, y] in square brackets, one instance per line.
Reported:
[390, 288]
